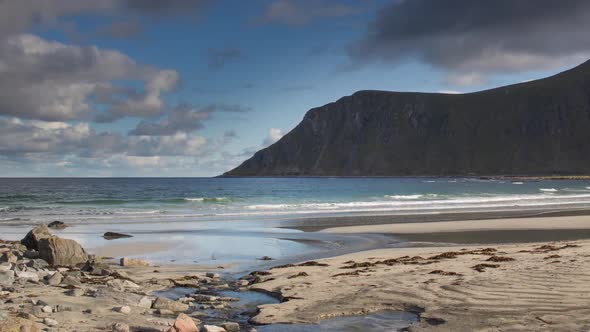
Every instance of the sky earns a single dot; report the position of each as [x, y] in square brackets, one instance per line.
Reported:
[195, 87]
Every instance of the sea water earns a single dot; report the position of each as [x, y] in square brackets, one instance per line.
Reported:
[226, 220]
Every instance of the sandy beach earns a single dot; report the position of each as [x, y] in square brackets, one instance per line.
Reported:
[520, 286]
[449, 276]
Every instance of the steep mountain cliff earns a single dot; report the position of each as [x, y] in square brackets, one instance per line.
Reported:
[535, 128]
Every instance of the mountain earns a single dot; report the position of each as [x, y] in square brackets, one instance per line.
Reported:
[539, 127]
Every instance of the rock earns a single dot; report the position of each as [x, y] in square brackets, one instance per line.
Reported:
[6, 278]
[242, 283]
[121, 285]
[145, 302]
[62, 252]
[120, 327]
[76, 292]
[265, 258]
[95, 266]
[163, 303]
[55, 279]
[5, 266]
[164, 312]
[50, 322]
[31, 254]
[133, 262]
[31, 240]
[28, 276]
[213, 328]
[57, 225]
[184, 323]
[47, 309]
[113, 235]
[212, 275]
[37, 264]
[124, 309]
[231, 326]
[37, 310]
[8, 257]
[71, 281]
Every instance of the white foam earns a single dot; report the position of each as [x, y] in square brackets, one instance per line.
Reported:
[417, 196]
[548, 190]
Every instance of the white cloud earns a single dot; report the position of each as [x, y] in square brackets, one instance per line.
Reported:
[274, 134]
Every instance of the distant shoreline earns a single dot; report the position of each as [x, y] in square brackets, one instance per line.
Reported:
[476, 177]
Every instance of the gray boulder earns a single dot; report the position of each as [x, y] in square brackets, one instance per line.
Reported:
[61, 252]
[31, 240]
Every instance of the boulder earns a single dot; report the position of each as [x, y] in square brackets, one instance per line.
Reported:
[6, 278]
[213, 328]
[55, 279]
[62, 252]
[184, 323]
[31, 240]
[164, 303]
[57, 225]
[113, 235]
[133, 262]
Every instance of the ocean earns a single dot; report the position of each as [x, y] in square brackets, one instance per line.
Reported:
[83, 200]
[237, 220]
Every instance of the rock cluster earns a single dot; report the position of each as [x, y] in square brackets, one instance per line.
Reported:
[42, 260]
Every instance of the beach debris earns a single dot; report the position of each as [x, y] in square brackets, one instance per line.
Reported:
[57, 225]
[500, 259]
[552, 257]
[184, 323]
[483, 266]
[454, 254]
[353, 273]
[114, 236]
[31, 240]
[300, 274]
[125, 261]
[61, 252]
[445, 273]
[121, 327]
[312, 263]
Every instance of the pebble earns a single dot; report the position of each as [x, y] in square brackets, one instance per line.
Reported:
[47, 309]
[124, 309]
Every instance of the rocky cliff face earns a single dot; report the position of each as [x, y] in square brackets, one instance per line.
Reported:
[535, 128]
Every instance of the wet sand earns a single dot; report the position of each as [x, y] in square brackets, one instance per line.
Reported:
[510, 287]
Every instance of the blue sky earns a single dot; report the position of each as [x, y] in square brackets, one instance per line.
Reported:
[229, 77]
